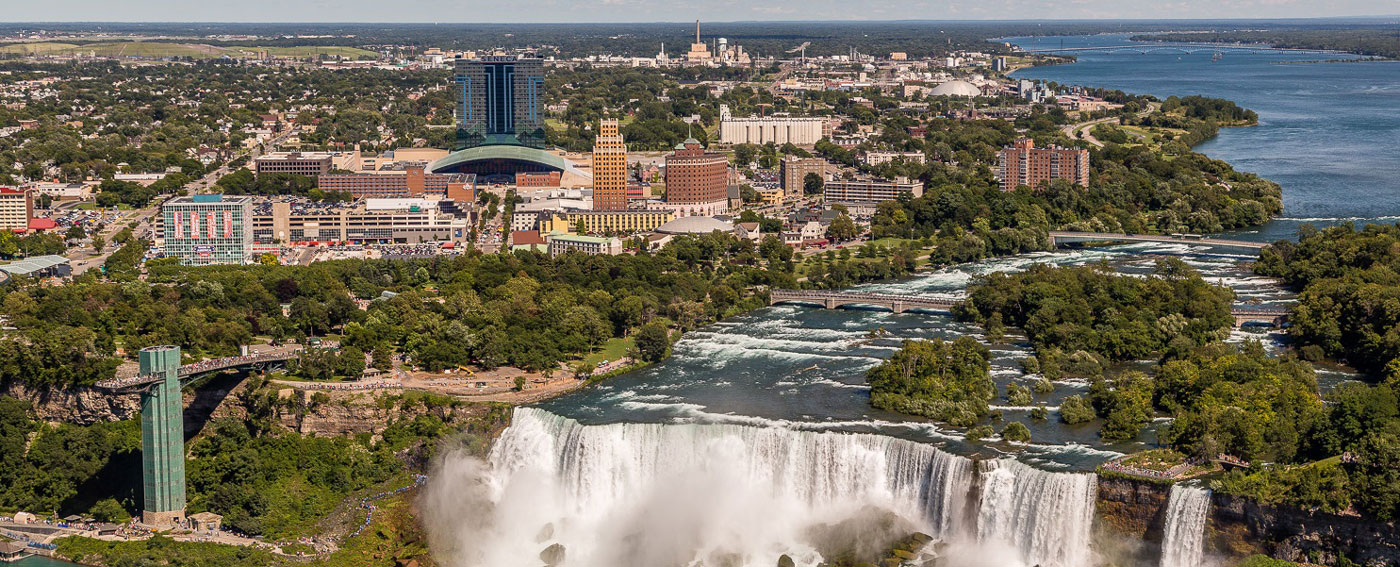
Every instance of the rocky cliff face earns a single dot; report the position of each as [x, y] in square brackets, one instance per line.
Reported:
[1132, 507]
[83, 406]
[1239, 527]
[1300, 535]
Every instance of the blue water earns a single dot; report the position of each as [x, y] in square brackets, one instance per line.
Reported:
[1329, 133]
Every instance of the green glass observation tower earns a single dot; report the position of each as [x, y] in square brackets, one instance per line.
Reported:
[162, 438]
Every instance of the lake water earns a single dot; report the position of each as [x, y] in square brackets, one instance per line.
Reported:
[1329, 133]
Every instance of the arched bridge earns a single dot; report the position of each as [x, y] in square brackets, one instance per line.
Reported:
[1244, 314]
[1058, 237]
[1145, 48]
[142, 381]
[834, 299]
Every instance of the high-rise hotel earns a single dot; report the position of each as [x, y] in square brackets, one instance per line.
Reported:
[609, 168]
[499, 101]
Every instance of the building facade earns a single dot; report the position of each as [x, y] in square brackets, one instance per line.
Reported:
[869, 191]
[498, 101]
[877, 158]
[376, 221]
[609, 168]
[600, 222]
[208, 229]
[16, 208]
[697, 181]
[412, 181]
[593, 245]
[761, 130]
[298, 163]
[793, 172]
[1025, 164]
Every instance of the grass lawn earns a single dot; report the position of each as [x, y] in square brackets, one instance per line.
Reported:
[613, 349]
[38, 48]
[170, 49]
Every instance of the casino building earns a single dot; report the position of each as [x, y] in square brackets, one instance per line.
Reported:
[500, 121]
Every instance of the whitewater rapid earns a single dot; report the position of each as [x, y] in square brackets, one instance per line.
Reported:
[685, 494]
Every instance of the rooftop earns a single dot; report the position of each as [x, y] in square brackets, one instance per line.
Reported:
[30, 265]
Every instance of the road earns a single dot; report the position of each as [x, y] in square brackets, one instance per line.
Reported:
[1072, 131]
[84, 259]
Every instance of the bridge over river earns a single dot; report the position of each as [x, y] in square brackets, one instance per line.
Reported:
[1244, 314]
[1145, 48]
[1058, 237]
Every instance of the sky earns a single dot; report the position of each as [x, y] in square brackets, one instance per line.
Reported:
[563, 11]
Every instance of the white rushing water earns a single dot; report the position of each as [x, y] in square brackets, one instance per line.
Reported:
[1184, 531]
[685, 494]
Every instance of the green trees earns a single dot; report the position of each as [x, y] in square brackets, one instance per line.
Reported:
[948, 381]
[1093, 309]
[1016, 432]
[842, 229]
[1074, 410]
[812, 184]
[1349, 303]
[653, 341]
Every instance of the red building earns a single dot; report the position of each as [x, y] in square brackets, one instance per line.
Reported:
[696, 177]
[411, 182]
[1025, 164]
[537, 179]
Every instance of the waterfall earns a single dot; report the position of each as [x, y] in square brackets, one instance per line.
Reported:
[1185, 529]
[684, 494]
[1047, 516]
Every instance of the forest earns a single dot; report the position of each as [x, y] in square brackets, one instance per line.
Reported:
[1348, 293]
[525, 310]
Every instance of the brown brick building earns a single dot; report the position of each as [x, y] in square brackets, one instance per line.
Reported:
[695, 176]
[609, 169]
[1025, 164]
[412, 181]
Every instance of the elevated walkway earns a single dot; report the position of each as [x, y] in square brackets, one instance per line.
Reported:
[142, 381]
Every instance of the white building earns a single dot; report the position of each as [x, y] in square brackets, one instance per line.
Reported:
[594, 245]
[761, 130]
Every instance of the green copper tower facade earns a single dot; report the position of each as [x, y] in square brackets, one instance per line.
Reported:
[162, 439]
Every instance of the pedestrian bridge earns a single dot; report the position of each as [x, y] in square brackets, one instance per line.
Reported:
[1058, 237]
[1244, 314]
[140, 382]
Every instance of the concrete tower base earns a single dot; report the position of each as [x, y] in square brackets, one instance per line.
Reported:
[163, 520]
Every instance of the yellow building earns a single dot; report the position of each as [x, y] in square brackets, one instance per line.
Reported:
[601, 222]
[773, 196]
[609, 168]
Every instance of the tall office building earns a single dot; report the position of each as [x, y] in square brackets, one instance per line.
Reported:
[498, 101]
[609, 168]
[1025, 164]
[208, 229]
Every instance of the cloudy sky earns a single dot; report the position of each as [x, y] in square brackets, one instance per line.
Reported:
[467, 11]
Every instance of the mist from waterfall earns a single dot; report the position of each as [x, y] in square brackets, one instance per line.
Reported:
[683, 494]
[1184, 531]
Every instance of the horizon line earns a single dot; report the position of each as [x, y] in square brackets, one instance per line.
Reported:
[688, 22]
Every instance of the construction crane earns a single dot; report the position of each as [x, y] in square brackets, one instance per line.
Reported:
[802, 49]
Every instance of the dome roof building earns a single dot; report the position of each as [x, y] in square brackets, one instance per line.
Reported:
[956, 88]
[695, 225]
